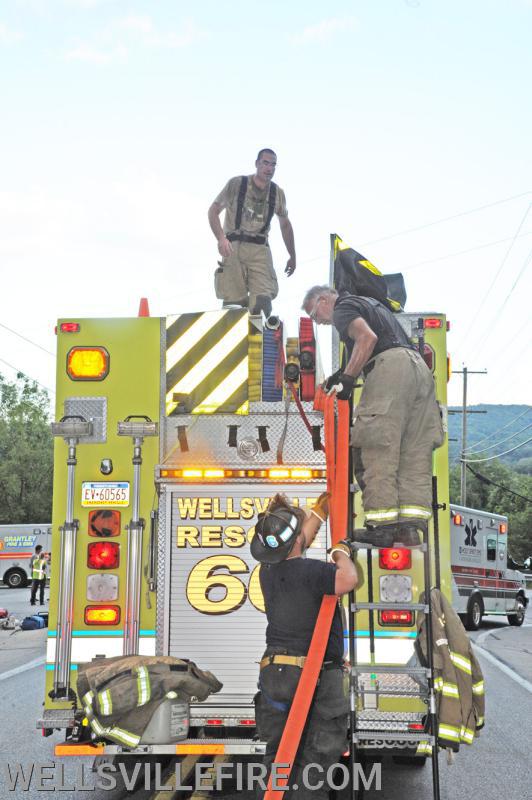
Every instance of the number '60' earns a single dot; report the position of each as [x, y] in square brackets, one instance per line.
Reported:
[206, 580]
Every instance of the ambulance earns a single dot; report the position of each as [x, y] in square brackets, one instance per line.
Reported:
[17, 545]
[484, 580]
[171, 435]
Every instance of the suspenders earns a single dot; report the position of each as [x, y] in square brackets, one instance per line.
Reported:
[240, 205]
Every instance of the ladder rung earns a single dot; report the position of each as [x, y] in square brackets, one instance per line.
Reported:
[422, 692]
[400, 669]
[389, 607]
[389, 736]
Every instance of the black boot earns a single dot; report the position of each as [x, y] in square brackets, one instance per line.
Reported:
[410, 535]
[381, 536]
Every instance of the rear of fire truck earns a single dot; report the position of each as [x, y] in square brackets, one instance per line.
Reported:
[171, 436]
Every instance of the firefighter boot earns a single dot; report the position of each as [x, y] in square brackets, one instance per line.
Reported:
[380, 536]
[410, 535]
[263, 303]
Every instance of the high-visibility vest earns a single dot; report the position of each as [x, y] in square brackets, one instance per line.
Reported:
[38, 571]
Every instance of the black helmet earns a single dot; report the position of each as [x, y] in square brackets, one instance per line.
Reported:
[276, 532]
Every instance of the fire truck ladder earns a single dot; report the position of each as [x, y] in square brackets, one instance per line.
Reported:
[72, 429]
[385, 729]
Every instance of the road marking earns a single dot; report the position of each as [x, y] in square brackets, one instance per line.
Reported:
[483, 636]
[502, 666]
[30, 665]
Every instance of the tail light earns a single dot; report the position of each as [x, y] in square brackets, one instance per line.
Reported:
[432, 322]
[246, 722]
[69, 327]
[103, 555]
[104, 522]
[87, 363]
[396, 618]
[102, 615]
[214, 722]
[458, 519]
[395, 558]
[416, 726]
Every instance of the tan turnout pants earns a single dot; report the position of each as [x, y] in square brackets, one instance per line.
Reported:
[246, 274]
[397, 426]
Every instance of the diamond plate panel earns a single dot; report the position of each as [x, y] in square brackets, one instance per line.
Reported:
[162, 568]
[207, 438]
[390, 683]
[93, 409]
[397, 721]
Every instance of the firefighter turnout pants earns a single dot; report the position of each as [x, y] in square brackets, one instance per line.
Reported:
[397, 426]
[324, 737]
[247, 274]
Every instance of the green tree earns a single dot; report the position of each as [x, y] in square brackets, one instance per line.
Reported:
[26, 452]
[487, 493]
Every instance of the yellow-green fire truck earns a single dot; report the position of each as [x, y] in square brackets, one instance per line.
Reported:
[171, 434]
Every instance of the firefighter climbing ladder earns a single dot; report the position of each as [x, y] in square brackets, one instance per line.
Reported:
[426, 740]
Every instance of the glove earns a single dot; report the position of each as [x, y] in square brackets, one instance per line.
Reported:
[343, 546]
[321, 509]
[341, 383]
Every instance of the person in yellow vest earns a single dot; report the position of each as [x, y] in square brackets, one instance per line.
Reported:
[38, 575]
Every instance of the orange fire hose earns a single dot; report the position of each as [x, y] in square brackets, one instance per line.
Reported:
[337, 458]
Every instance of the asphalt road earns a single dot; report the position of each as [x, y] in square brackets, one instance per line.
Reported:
[494, 766]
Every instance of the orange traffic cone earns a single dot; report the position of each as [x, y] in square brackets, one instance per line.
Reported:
[144, 309]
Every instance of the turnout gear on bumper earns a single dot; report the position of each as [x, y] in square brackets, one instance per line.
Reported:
[120, 695]
[458, 679]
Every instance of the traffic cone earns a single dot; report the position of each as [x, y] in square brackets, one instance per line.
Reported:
[144, 309]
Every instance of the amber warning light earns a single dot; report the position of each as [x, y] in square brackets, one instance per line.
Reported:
[102, 615]
[87, 363]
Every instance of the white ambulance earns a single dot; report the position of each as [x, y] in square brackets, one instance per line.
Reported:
[483, 583]
[17, 545]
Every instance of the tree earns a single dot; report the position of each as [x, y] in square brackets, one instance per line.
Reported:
[487, 493]
[26, 452]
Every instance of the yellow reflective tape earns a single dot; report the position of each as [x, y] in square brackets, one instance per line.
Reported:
[448, 732]
[105, 702]
[382, 514]
[143, 686]
[123, 736]
[467, 735]
[461, 662]
[478, 688]
[424, 749]
[480, 721]
[450, 690]
[197, 330]
[415, 511]
[224, 390]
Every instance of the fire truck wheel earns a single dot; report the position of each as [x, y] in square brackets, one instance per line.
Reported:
[475, 609]
[15, 579]
[518, 618]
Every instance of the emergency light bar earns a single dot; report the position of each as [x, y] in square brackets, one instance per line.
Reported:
[277, 473]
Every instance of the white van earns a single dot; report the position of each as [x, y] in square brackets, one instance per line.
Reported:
[483, 583]
[17, 545]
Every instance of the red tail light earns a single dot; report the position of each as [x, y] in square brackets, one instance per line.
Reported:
[432, 322]
[214, 722]
[246, 721]
[398, 618]
[103, 555]
[102, 615]
[416, 726]
[395, 558]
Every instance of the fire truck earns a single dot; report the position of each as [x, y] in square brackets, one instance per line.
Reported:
[171, 435]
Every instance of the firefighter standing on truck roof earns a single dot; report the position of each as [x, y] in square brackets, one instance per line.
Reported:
[293, 589]
[398, 422]
[246, 276]
[38, 575]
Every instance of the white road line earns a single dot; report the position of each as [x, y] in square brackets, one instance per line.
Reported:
[483, 636]
[507, 670]
[30, 665]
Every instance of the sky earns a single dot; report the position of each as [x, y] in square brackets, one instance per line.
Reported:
[405, 126]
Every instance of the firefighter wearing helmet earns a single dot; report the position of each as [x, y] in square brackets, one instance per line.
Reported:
[293, 587]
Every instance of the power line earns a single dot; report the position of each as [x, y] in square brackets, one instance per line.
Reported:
[496, 444]
[483, 479]
[478, 460]
[20, 336]
[462, 252]
[447, 219]
[21, 371]
[503, 262]
[485, 439]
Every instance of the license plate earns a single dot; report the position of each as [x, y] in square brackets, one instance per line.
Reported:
[104, 494]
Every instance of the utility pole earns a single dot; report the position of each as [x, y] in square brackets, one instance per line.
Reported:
[463, 471]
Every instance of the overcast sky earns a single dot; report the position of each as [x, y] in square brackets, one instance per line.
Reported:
[120, 121]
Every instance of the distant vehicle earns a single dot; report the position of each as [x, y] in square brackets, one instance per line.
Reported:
[485, 578]
[17, 545]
